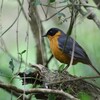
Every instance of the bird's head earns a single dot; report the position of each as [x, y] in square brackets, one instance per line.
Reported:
[53, 32]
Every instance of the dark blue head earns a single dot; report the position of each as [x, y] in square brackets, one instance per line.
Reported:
[53, 31]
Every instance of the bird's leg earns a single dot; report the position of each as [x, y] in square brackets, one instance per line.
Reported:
[66, 67]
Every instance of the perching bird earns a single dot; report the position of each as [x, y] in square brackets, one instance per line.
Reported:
[62, 47]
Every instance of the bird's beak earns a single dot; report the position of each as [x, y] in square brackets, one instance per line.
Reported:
[44, 35]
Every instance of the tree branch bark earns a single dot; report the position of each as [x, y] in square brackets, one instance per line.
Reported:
[37, 29]
[37, 90]
[92, 15]
[89, 14]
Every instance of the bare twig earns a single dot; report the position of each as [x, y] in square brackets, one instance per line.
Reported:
[55, 13]
[38, 90]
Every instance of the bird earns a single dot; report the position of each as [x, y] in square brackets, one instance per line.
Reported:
[61, 46]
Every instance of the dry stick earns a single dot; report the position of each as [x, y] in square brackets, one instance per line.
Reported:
[38, 90]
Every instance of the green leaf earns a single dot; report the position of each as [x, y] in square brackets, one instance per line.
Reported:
[84, 96]
[61, 67]
[61, 18]
[11, 65]
[51, 1]
[0, 71]
[36, 2]
[22, 52]
[29, 70]
[69, 90]
[64, 1]
[51, 97]
[61, 15]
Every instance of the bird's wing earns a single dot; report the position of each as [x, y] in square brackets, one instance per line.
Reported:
[79, 53]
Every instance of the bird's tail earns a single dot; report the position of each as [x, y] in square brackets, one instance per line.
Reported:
[94, 69]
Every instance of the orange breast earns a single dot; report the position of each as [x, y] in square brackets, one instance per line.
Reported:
[59, 55]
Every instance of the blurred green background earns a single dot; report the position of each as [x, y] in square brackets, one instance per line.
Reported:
[85, 32]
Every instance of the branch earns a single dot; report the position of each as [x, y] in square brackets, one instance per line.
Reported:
[92, 15]
[37, 29]
[97, 2]
[23, 11]
[37, 90]
[16, 94]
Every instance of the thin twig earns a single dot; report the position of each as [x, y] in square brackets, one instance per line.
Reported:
[17, 34]
[23, 11]
[86, 5]
[55, 13]
[64, 7]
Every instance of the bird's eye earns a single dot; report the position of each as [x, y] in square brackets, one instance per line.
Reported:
[51, 32]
